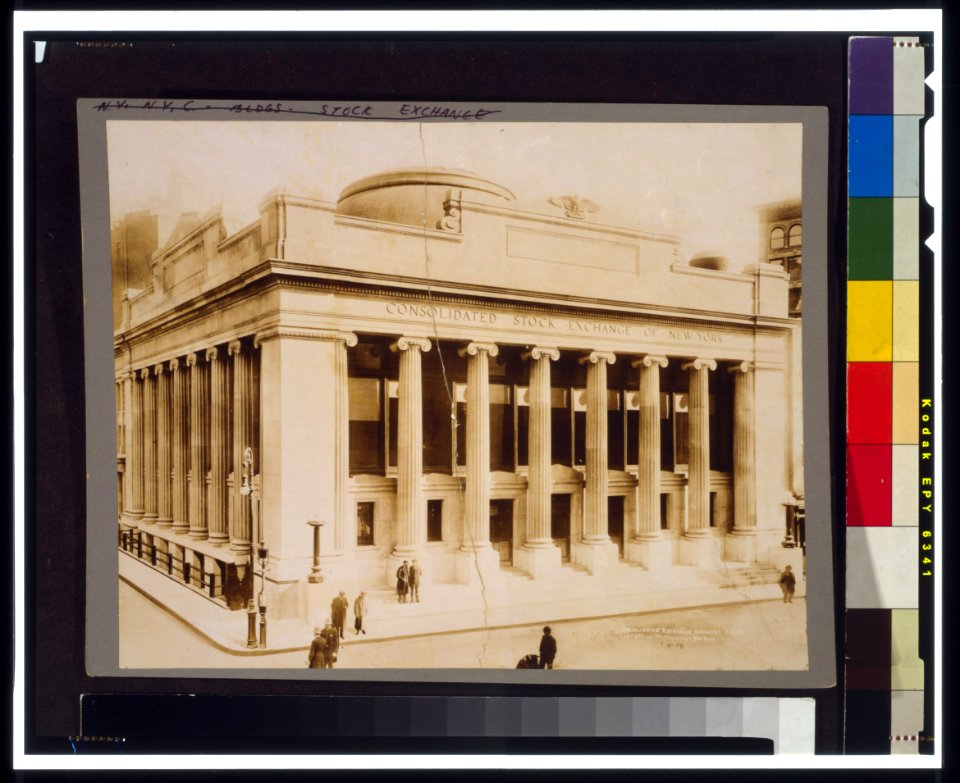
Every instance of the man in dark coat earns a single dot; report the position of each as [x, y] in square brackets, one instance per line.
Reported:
[788, 584]
[414, 580]
[548, 649]
[338, 612]
[316, 659]
[332, 646]
[403, 581]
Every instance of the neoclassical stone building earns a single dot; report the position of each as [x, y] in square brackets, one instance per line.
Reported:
[432, 372]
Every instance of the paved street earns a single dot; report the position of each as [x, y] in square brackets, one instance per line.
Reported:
[757, 635]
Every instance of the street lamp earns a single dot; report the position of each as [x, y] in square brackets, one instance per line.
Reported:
[316, 577]
[247, 488]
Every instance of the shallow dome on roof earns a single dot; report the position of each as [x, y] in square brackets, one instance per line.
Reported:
[413, 196]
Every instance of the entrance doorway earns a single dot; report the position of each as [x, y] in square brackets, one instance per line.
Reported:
[615, 521]
[560, 524]
[501, 529]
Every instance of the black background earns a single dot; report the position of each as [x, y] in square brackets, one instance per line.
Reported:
[751, 69]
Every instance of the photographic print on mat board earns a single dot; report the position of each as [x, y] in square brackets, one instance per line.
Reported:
[404, 388]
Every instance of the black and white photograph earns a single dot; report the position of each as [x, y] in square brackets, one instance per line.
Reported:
[464, 393]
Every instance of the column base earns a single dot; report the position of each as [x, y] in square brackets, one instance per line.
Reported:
[477, 566]
[539, 561]
[653, 554]
[699, 550]
[597, 556]
[740, 546]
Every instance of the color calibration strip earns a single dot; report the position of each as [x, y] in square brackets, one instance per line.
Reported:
[884, 672]
[655, 726]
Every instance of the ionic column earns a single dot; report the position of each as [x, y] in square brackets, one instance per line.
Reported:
[149, 448]
[539, 448]
[198, 448]
[476, 517]
[179, 453]
[744, 458]
[410, 512]
[135, 450]
[344, 528]
[164, 453]
[648, 459]
[595, 495]
[698, 499]
[242, 437]
[219, 445]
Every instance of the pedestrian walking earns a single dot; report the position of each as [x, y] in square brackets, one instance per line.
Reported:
[338, 612]
[415, 574]
[331, 646]
[788, 584]
[359, 612]
[403, 582]
[315, 660]
[548, 649]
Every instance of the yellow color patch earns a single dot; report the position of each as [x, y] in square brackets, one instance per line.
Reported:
[869, 320]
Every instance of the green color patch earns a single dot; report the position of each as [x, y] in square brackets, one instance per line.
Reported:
[870, 239]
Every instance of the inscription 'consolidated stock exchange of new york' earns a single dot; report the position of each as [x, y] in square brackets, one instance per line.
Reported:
[575, 326]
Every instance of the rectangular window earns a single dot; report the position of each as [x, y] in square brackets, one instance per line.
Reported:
[501, 427]
[560, 426]
[680, 432]
[579, 426]
[460, 398]
[632, 404]
[365, 523]
[615, 431]
[393, 411]
[523, 424]
[434, 520]
[366, 425]
[437, 426]
[664, 511]
[713, 509]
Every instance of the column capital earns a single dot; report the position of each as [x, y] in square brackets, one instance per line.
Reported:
[595, 357]
[173, 364]
[406, 343]
[211, 354]
[474, 348]
[649, 361]
[540, 351]
[192, 359]
[145, 373]
[699, 364]
[234, 346]
[304, 333]
[158, 369]
[743, 367]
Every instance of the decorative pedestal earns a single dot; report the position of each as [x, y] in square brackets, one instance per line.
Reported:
[653, 554]
[597, 558]
[540, 562]
[476, 566]
[699, 550]
[740, 546]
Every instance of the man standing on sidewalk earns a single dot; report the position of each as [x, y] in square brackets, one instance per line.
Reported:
[548, 649]
[359, 612]
[332, 639]
[415, 574]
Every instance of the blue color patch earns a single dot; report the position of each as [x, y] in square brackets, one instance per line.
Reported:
[871, 156]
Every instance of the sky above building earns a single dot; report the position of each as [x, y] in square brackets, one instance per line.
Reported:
[700, 182]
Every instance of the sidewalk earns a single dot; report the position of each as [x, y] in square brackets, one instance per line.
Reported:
[513, 600]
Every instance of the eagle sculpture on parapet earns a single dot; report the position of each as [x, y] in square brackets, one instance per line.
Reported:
[575, 206]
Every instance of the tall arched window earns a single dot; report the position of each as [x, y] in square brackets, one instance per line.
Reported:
[777, 238]
[795, 237]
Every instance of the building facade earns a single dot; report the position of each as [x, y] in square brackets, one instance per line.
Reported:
[432, 372]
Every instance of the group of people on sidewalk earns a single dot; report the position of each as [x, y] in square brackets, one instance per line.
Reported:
[326, 642]
[409, 576]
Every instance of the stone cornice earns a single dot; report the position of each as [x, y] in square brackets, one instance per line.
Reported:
[303, 333]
